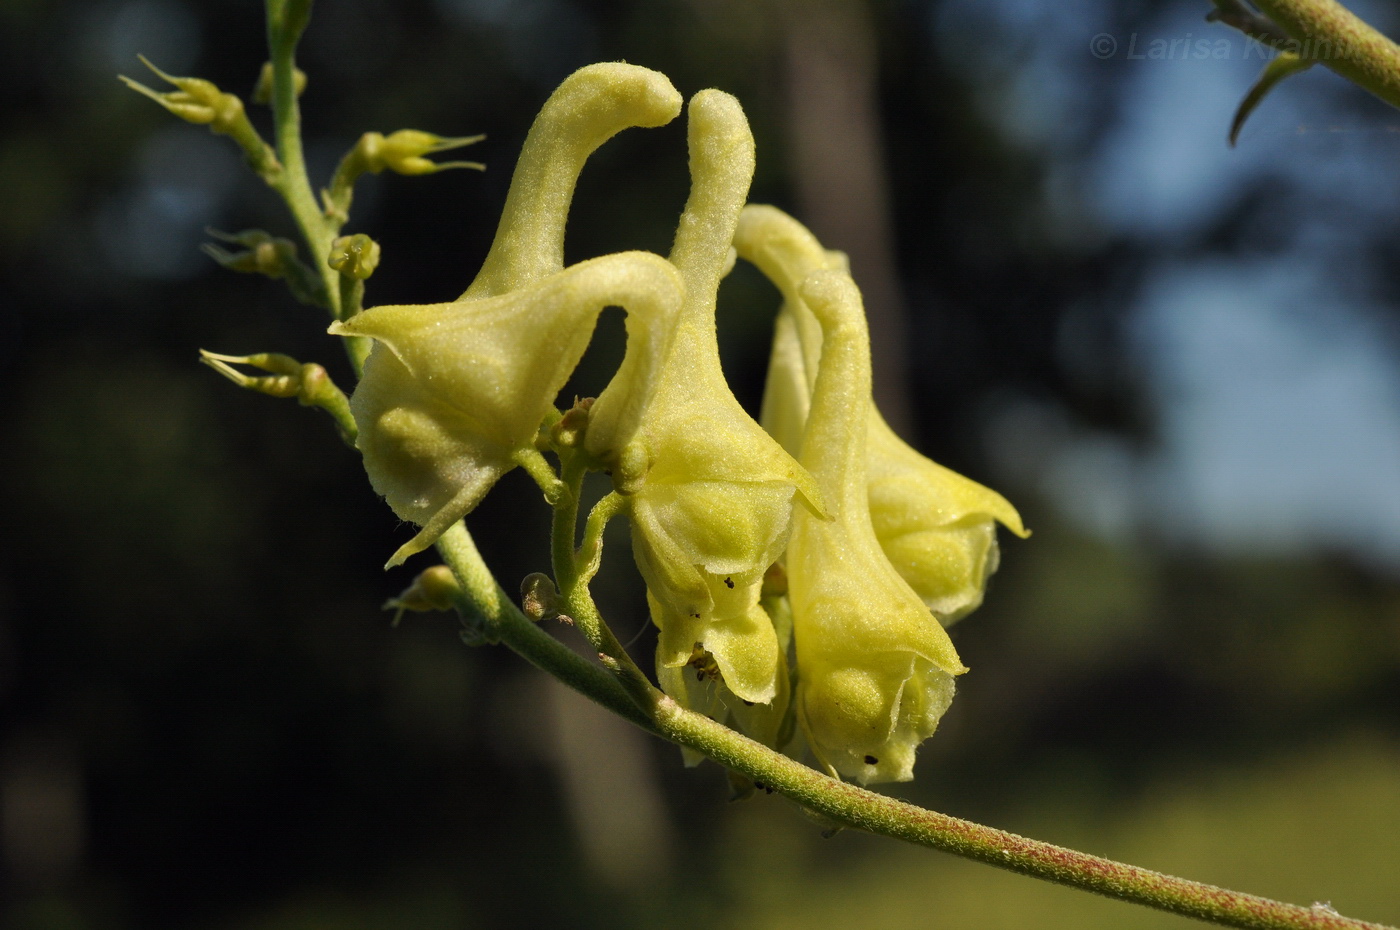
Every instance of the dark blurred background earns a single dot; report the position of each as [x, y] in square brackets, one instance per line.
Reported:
[1177, 358]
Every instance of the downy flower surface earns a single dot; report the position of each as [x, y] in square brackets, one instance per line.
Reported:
[875, 667]
[453, 393]
[710, 493]
[935, 526]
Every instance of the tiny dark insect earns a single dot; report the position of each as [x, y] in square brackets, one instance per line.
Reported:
[871, 760]
[729, 583]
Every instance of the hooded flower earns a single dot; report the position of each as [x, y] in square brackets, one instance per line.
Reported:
[875, 667]
[936, 527]
[453, 393]
[710, 493]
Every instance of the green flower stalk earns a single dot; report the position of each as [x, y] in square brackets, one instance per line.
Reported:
[936, 527]
[709, 493]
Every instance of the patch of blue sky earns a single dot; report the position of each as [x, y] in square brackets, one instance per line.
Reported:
[1279, 408]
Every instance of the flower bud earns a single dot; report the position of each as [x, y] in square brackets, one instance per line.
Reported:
[310, 384]
[262, 91]
[199, 101]
[936, 527]
[403, 152]
[539, 598]
[354, 256]
[875, 667]
[262, 252]
[710, 494]
[435, 588]
[272, 256]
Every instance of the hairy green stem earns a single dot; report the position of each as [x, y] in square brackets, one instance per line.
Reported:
[505, 622]
[590, 552]
[565, 527]
[285, 21]
[572, 574]
[1339, 39]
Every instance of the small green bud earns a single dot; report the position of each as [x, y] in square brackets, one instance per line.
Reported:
[309, 383]
[262, 252]
[262, 91]
[268, 255]
[435, 588]
[199, 101]
[194, 100]
[403, 152]
[354, 256]
[539, 598]
[568, 431]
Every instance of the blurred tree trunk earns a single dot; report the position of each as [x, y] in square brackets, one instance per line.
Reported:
[838, 168]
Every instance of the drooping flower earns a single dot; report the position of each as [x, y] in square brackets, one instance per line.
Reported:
[875, 667]
[935, 526]
[710, 494]
[453, 393]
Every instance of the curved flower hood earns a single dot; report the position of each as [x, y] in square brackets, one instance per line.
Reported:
[936, 527]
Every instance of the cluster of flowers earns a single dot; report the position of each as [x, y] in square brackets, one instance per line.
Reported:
[801, 573]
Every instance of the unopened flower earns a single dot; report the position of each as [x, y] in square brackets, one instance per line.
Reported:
[936, 527]
[196, 100]
[354, 256]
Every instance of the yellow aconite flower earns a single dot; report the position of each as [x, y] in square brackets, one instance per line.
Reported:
[710, 493]
[453, 393]
[936, 527]
[875, 668]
